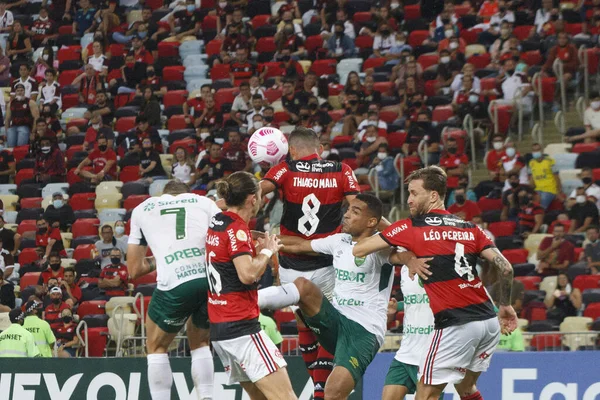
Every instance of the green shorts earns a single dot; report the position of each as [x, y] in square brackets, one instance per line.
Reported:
[402, 374]
[171, 309]
[352, 345]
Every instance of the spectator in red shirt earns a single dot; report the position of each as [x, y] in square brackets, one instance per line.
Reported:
[454, 163]
[237, 153]
[96, 129]
[463, 208]
[54, 270]
[555, 253]
[69, 286]
[66, 336]
[139, 52]
[531, 214]
[49, 238]
[193, 107]
[493, 157]
[241, 68]
[234, 41]
[114, 278]
[49, 164]
[567, 53]
[52, 313]
[89, 85]
[211, 117]
[103, 161]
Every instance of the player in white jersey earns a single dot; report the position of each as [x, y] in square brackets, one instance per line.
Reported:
[353, 325]
[418, 326]
[174, 227]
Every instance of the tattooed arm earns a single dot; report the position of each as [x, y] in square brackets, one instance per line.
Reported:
[506, 314]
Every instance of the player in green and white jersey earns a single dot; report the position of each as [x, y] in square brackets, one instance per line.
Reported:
[418, 326]
[353, 325]
[174, 227]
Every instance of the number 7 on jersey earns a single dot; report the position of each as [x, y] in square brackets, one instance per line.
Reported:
[179, 220]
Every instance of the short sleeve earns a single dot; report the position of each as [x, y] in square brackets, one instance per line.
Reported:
[482, 241]
[350, 183]
[587, 120]
[552, 165]
[399, 234]
[326, 245]
[278, 174]
[136, 236]
[237, 243]
[50, 338]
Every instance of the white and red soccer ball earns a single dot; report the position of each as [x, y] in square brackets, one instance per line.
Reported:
[267, 145]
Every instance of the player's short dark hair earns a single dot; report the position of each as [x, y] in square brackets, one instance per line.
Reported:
[374, 205]
[594, 227]
[304, 137]
[434, 179]
[176, 187]
[235, 188]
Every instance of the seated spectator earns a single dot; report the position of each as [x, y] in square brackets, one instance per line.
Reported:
[66, 336]
[543, 176]
[89, 85]
[555, 253]
[293, 71]
[49, 164]
[155, 82]
[584, 213]
[7, 264]
[463, 181]
[502, 45]
[454, 163]
[114, 276]
[339, 44]
[543, 15]
[54, 270]
[98, 60]
[29, 83]
[530, 216]
[419, 130]
[186, 22]
[70, 287]
[234, 40]
[132, 74]
[183, 167]
[590, 257]
[446, 70]
[255, 87]
[7, 295]
[103, 161]
[211, 117]
[212, 168]
[512, 162]
[58, 213]
[494, 156]
[591, 189]
[372, 119]
[21, 113]
[50, 91]
[44, 30]
[241, 68]
[140, 53]
[368, 149]
[151, 168]
[387, 175]
[517, 294]
[11, 241]
[102, 107]
[7, 163]
[384, 41]
[150, 108]
[4, 69]
[106, 244]
[290, 101]
[95, 130]
[257, 108]
[567, 53]
[237, 153]
[591, 122]
[513, 82]
[566, 300]
[463, 208]
[318, 120]
[83, 21]
[193, 106]
[286, 20]
[18, 46]
[52, 313]
[6, 18]
[467, 70]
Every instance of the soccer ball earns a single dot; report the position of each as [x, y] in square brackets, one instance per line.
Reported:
[267, 145]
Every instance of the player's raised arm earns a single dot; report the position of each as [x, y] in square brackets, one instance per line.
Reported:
[250, 269]
[267, 187]
[369, 245]
[296, 245]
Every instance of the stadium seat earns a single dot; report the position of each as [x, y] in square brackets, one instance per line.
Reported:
[532, 243]
[145, 279]
[27, 256]
[109, 187]
[529, 282]
[10, 201]
[177, 122]
[28, 225]
[174, 98]
[373, 63]
[532, 58]
[412, 11]
[584, 282]
[133, 201]
[29, 279]
[591, 296]
[97, 338]
[173, 73]
[313, 43]
[522, 32]
[416, 38]
[324, 67]
[502, 228]
[427, 60]
[66, 78]
[31, 202]
[213, 47]
[168, 49]
[542, 341]
[396, 140]
[584, 147]
[487, 204]
[107, 215]
[92, 307]
[592, 311]
[129, 174]
[26, 173]
[548, 284]
[85, 227]
[125, 124]
[108, 200]
[516, 256]
[133, 188]
[480, 61]
[83, 251]
[82, 201]
[157, 187]
[442, 113]
[69, 53]
[364, 42]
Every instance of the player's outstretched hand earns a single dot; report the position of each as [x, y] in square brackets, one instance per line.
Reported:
[420, 267]
[272, 243]
[508, 319]
[392, 306]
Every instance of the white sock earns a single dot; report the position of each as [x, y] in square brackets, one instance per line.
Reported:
[160, 377]
[276, 297]
[203, 372]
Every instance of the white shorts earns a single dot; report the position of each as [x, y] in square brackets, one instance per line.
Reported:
[249, 358]
[324, 278]
[454, 350]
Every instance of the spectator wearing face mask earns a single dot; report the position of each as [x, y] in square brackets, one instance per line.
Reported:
[591, 189]
[103, 161]
[567, 53]
[590, 257]
[339, 44]
[510, 199]
[463, 208]
[237, 153]
[58, 213]
[49, 238]
[114, 277]
[467, 70]
[453, 162]
[328, 153]
[40, 329]
[151, 168]
[493, 157]
[257, 109]
[503, 14]
[591, 122]
[132, 74]
[368, 149]
[96, 129]
[463, 182]
[542, 15]
[54, 270]
[66, 336]
[544, 176]
[384, 41]
[530, 214]
[419, 130]
[53, 312]
[584, 213]
[70, 288]
[502, 44]
[446, 70]
[49, 164]
[372, 119]
[106, 244]
[512, 162]
[387, 176]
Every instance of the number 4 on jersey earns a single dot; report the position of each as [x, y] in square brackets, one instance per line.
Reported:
[461, 264]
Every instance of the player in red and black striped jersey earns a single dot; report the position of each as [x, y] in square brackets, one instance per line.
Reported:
[313, 191]
[248, 355]
[466, 328]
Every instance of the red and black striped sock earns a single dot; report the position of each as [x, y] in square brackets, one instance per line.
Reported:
[474, 396]
[321, 371]
[309, 347]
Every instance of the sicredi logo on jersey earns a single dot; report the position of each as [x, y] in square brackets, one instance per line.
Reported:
[433, 221]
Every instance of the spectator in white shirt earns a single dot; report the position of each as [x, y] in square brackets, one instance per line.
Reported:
[446, 14]
[502, 15]
[372, 119]
[514, 82]
[241, 103]
[384, 41]
[348, 25]
[50, 91]
[6, 18]
[591, 121]
[467, 69]
[543, 15]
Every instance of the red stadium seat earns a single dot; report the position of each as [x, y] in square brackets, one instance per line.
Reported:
[129, 174]
[97, 338]
[480, 61]
[173, 73]
[260, 20]
[416, 38]
[486, 203]
[583, 282]
[385, 88]
[538, 314]
[411, 163]
[78, 122]
[70, 100]
[430, 88]
[25, 173]
[29, 279]
[522, 32]
[85, 227]
[168, 49]
[574, 29]
[593, 59]
[209, 23]
[124, 124]
[533, 57]
[82, 201]
[20, 152]
[516, 256]
[225, 96]
[189, 144]
[288, 345]
[585, 147]
[313, 43]
[565, 223]
[592, 311]
[427, 60]
[67, 77]
[388, 116]
[133, 201]
[506, 228]
[84, 251]
[529, 282]
[373, 63]
[122, 99]
[338, 140]
[281, 116]
[174, 98]
[577, 252]
[273, 95]
[442, 113]
[364, 42]
[541, 341]
[273, 69]
[266, 45]
[31, 202]
[72, 178]
[412, 11]
[504, 115]
[548, 88]
[396, 140]
[213, 47]
[462, 9]
[27, 225]
[116, 49]
[27, 256]
[138, 304]
[470, 36]
[145, 279]
[69, 53]
[92, 307]
[65, 30]
[362, 16]
[177, 122]
[336, 115]
[283, 316]
[220, 71]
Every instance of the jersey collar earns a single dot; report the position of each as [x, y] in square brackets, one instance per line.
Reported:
[313, 156]
[233, 215]
[439, 211]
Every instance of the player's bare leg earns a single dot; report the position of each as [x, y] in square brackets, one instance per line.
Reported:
[467, 388]
[339, 384]
[429, 392]
[203, 370]
[253, 392]
[160, 376]
[394, 392]
[277, 386]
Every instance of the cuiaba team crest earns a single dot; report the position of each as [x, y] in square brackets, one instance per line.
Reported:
[149, 207]
[359, 261]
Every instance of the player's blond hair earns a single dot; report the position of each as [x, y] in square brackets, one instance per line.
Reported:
[434, 179]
